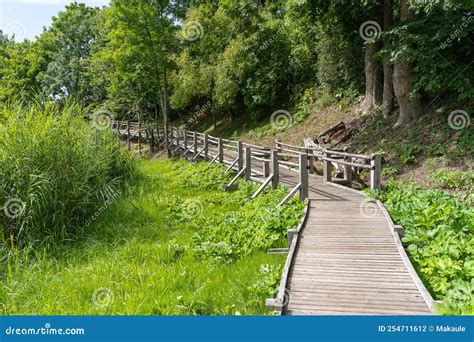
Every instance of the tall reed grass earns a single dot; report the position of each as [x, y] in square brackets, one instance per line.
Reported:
[56, 170]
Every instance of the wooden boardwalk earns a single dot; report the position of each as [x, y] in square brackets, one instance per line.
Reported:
[349, 261]
[347, 258]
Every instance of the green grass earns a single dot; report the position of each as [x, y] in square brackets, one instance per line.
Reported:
[156, 250]
[55, 170]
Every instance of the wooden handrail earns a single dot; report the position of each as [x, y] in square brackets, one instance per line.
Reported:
[178, 140]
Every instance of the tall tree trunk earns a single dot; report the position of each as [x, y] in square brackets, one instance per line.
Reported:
[410, 108]
[370, 77]
[378, 90]
[388, 93]
[373, 69]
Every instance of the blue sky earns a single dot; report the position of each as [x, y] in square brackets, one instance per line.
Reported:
[26, 18]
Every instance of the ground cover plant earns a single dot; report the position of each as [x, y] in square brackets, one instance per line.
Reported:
[172, 243]
[439, 240]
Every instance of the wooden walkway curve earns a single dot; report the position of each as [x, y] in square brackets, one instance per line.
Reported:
[346, 258]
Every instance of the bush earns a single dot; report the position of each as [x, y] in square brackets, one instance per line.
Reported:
[55, 171]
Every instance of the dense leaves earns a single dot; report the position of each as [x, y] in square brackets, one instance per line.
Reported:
[151, 59]
[257, 225]
[439, 239]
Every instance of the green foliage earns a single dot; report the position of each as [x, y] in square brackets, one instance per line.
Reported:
[142, 250]
[439, 239]
[59, 168]
[389, 170]
[437, 57]
[21, 66]
[408, 153]
[454, 180]
[257, 225]
[430, 138]
[306, 105]
[267, 283]
[68, 48]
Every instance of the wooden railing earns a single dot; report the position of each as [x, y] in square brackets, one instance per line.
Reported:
[241, 157]
[350, 163]
[245, 158]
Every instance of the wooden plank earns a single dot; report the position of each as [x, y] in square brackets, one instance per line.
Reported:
[360, 307]
[334, 288]
[341, 311]
[317, 282]
[334, 292]
[357, 302]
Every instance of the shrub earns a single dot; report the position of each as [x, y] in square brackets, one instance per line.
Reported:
[55, 171]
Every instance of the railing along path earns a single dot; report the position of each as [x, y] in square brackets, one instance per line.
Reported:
[345, 257]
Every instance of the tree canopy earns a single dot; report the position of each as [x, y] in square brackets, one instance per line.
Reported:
[161, 59]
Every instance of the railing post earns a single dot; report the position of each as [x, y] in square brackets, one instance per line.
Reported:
[128, 136]
[327, 167]
[348, 171]
[185, 140]
[275, 170]
[240, 155]
[206, 146]
[195, 142]
[303, 177]
[177, 136]
[266, 168]
[375, 172]
[310, 160]
[278, 145]
[166, 136]
[248, 163]
[139, 136]
[158, 134]
[220, 148]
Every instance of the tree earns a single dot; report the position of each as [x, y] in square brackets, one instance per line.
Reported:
[138, 50]
[68, 43]
[388, 92]
[410, 106]
[21, 67]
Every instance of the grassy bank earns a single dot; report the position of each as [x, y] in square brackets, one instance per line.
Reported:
[172, 243]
